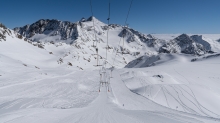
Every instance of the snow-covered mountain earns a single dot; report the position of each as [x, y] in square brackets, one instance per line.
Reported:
[199, 39]
[82, 33]
[4, 31]
[185, 44]
[82, 37]
[79, 38]
[48, 66]
[44, 29]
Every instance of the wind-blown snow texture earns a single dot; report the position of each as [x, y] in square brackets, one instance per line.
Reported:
[47, 74]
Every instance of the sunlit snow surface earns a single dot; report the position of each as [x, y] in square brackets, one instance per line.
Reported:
[34, 88]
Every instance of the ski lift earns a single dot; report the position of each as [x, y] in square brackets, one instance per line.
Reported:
[112, 68]
[93, 44]
[104, 77]
[97, 58]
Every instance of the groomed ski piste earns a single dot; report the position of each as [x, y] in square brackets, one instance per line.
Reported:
[50, 78]
[136, 95]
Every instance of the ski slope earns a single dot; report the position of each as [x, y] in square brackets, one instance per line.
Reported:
[74, 97]
[180, 86]
[107, 107]
[39, 85]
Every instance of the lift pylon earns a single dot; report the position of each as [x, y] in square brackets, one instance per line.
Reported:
[104, 77]
[93, 43]
[112, 68]
[97, 58]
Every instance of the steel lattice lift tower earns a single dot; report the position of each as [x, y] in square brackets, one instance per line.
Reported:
[104, 77]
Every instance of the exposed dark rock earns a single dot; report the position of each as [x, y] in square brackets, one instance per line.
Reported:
[183, 44]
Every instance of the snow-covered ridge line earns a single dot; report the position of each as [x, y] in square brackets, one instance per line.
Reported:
[79, 37]
[50, 28]
[68, 32]
[4, 31]
[206, 57]
[186, 44]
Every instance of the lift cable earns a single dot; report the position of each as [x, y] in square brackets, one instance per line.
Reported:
[106, 74]
[123, 31]
[108, 30]
[128, 12]
[95, 46]
[125, 26]
[93, 24]
[117, 51]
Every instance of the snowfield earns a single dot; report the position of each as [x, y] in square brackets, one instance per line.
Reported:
[56, 82]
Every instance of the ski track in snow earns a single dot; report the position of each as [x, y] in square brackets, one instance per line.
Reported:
[181, 96]
[101, 109]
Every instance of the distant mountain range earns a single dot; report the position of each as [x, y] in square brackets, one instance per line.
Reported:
[82, 36]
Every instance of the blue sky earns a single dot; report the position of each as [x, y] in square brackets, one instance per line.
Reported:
[147, 16]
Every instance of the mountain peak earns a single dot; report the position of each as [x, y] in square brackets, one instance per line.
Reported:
[184, 44]
[4, 31]
[3, 26]
[183, 37]
[42, 21]
[150, 36]
[49, 27]
[91, 18]
[82, 19]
